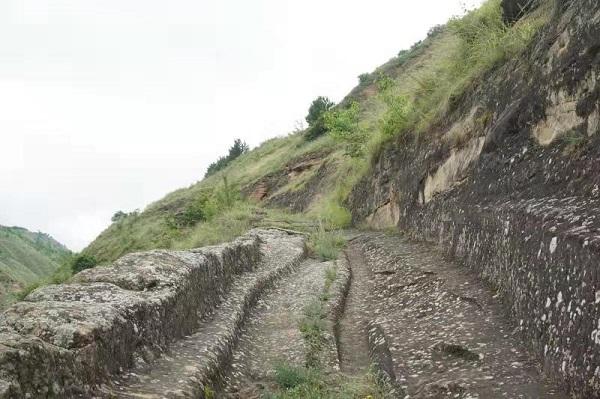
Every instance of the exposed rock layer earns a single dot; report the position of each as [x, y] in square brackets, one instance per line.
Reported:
[523, 213]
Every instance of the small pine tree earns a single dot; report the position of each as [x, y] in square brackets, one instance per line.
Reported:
[238, 148]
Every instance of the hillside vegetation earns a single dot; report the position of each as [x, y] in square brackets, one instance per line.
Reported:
[301, 181]
[26, 258]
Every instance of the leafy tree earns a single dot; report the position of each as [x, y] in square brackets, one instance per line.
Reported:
[238, 148]
[315, 117]
[82, 262]
[119, 215]
[318, 109]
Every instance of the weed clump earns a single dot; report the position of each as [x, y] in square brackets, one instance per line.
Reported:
[327, 244]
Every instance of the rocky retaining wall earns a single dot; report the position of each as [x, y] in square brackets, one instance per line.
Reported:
[65, 340]
[544, 265]
[523, 210]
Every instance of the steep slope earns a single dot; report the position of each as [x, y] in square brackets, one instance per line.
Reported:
[288, 172]
[26, 257]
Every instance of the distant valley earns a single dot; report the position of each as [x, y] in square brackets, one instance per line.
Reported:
[26, 258]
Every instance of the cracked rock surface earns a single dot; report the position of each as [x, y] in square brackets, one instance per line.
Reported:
[447, 333]
[198, 360]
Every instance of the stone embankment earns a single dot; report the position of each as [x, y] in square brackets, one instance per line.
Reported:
[84, 339]
[215, 323]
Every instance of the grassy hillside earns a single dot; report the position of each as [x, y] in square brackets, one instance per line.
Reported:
[407, 96]
[26, 258]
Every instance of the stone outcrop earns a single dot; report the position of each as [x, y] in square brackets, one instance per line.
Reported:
[522, 212]
[70, 340]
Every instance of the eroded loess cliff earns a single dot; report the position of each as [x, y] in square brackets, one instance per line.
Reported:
[509, 182]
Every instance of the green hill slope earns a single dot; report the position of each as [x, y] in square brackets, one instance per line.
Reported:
[298, 182]
[26, 258]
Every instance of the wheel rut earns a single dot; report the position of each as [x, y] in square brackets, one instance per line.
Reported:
[272, 334]
[353, 347]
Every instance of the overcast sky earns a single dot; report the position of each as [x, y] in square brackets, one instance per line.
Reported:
[108, 105]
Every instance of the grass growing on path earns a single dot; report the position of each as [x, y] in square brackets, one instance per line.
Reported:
[315, 380]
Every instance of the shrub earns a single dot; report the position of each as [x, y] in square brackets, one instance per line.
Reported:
[384, 82]
[288, 376]
[396, 118]
[226, 195]
[315, 120]
[200, 210]
[238, 148]
[327, 244]
[343, 126]
[318, 108]
[364, 78]
[119, 215]
[317, 130]
[83, 262]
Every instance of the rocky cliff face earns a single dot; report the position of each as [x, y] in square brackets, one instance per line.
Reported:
[509, 182]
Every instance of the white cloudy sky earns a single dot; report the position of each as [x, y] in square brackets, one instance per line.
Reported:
[110, 104]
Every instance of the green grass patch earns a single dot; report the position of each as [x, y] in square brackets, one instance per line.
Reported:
[304, 383]
[326, 244]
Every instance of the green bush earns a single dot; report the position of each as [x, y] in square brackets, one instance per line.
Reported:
[343, 126]
[318, 108]
[316, 112]
[384, 82]
[288, 376]
[364, 78]
[82, 262]
[317, 130]
[397, 115]
[119, 215]
[200, 210]
[327, 244]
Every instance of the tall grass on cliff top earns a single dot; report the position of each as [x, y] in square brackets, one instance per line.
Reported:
[454, 59]
[485, 42]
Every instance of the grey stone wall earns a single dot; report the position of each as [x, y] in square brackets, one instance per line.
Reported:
[65, 340]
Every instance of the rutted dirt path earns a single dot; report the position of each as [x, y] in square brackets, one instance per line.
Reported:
[433, 328]
[272, 335]
[352, 338]
[443, 332]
